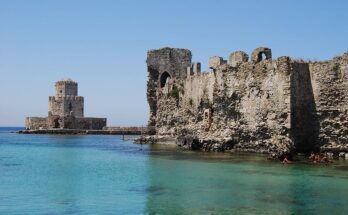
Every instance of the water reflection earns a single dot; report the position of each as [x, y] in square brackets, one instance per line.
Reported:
[195, 183]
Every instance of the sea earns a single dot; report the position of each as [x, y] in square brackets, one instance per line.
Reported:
[92, 174]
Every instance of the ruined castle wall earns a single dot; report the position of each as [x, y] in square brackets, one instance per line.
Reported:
[263, 105]
[200, 87]
[330, 91]
[173, 61]
[247, 105]
[34, 123]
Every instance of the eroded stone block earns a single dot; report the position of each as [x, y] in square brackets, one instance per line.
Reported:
[215, 61]
[196, 68]
[189, 71]
[238, 57]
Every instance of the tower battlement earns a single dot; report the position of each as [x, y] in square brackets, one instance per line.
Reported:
[66, 87]
[66, 98]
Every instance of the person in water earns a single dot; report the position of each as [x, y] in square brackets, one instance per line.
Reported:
[312, 157]
[286, 160]
[317, 158]
[325, 158]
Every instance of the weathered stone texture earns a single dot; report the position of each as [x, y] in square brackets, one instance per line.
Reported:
[272, 106]
[66, 87]
[66, 102]
[304, 120]
[66, 105]
[164, 64]
[215, 62]
[330, 91]
[172, 61]
[258, 53]
[34, 123]
[238, 57]
[196, 68]
[82, 123]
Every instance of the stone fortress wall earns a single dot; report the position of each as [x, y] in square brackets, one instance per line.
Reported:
[262, 105]
[65, 110]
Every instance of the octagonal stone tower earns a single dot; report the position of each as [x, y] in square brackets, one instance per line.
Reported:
[66, 102]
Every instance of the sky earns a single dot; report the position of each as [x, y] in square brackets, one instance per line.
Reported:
[102, 45]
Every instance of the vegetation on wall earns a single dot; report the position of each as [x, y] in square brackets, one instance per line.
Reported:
[175, 92]
[191, 102]
[336, 67]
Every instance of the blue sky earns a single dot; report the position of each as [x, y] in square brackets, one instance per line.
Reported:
[102, 45]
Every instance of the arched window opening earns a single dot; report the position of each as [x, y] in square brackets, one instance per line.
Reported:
[165, 78]
[262, 56]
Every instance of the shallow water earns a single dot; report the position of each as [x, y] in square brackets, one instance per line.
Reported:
[42, 174]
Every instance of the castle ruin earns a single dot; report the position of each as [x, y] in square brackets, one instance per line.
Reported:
[257, 105]
[65, 111]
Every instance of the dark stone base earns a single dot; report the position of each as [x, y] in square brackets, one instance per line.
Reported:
[192, 142]
[82, 131]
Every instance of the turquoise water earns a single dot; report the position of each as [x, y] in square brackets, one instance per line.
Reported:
[42, 174]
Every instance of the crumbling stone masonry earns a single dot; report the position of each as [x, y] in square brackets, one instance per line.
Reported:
[263, 105]
[65, 110]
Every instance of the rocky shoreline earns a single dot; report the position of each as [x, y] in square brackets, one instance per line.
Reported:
[231, 145]
[214, 144]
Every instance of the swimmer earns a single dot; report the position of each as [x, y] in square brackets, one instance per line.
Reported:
[286, 160]
[325, 158]
[312, 157]
[317, 158]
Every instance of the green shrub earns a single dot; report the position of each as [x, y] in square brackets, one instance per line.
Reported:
[191, 102]
[175, 92]
[336, 67]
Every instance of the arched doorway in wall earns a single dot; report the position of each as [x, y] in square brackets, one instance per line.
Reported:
[165, 77]
[56, 123]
